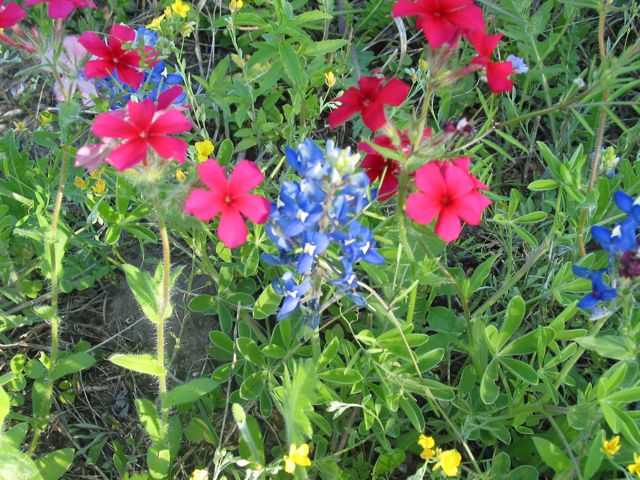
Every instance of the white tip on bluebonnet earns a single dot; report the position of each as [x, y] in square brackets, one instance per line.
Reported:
[518, 64]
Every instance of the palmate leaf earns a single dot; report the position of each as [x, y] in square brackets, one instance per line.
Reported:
[295, 400]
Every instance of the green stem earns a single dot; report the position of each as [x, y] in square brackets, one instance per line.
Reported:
[402, 226]
[164, 302]
[55, 320]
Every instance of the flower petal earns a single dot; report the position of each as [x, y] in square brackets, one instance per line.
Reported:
[351, 104]
[166, 98]
[98, 68]
[373, 116]
[122, 32]
[255, 207]
[203, 204]
[245, 177]
[92, 42]
[232, 229]
[448, 226]
[60, 8]
[11, 15]
[438, 30]
[107, 125]
[405, 8]
[170, 121]
[128, 154]
[497, 76]
[169, 147]
[458, 182]
[394, 92]
[141, 113]
[130, 76]
[429, 179]
[468, 18]
[422, 208]
[212, 175]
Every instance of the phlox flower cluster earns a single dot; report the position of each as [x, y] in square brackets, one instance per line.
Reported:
[157, 79]
[621, 243]
[313, 214]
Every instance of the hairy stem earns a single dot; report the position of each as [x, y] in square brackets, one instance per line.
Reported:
[164, 302]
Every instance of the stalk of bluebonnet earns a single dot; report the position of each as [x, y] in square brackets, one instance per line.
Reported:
[621, 243]
[315, 228]
[156, 80]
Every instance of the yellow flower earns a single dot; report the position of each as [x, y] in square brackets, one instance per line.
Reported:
[427, 444]
[199, 475]
[96, 174]
[612, 446]
[204, 149]
[180, 8]
[100, 186]
[45, 117]
[449, 460]
[297, 456]
[187, 29]
[180, 176]
[80, 183]
[168, 12]
[235, 5]
[156, 23]
[20, 126]
[422, 63]
[634, 468]
[329, 79]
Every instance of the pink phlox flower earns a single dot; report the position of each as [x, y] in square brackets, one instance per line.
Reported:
[61, 8]
[497, 72]
[442, 21]
[143, 125]
[229, 198]
[448, 191]
[112, 56]
[369, 99]
[10, 14]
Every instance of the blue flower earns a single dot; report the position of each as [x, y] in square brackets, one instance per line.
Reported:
[316, 215]
[291, 291]
[518, 64]
[600, 293]
[621, 238]
[628, 205]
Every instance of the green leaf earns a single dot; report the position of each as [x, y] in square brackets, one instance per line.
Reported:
[253, 385]
[388, 462]
[15, 465]
[627, 395]
[328, 353]
[5, 406]
[251, 443]
[73, 363]
[552, 455]
[609, 346]
[323, 47]
[158, 460]
[141, 363]
[148, 416]
[295, 400]
[207, 304]
[248, 348]
[512, 319]
[489, 391]
[144, 290]
[292, 67]
[189, 392]
[53, 465]
[58, 240]
[521, 370]
[594, 458]
[267, 303]
[542, 185]
[413, 412]
[225, 152]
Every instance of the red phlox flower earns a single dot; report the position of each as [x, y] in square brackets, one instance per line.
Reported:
[144, 125]
[61, 8]
[369, 99]
[377, 166]
[230, 199]
[448, 191]
[112, 55]
[497, 72]
[10, 14]
[442, 21]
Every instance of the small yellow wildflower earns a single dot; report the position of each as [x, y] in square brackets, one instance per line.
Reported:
[96, 174]
[99, 187]
[168, 12]
[427, 444]
[20, 126]
[634, 468]
[422, 63]
[204, 149]
[45, 117]
[235, 5]
[180, 8]
[449, 460]
[80, 182]
[156, 23]
[612, 446]
[297, 456]
[180, 176]
[187, 29]
[329, 79]
[199, 475]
